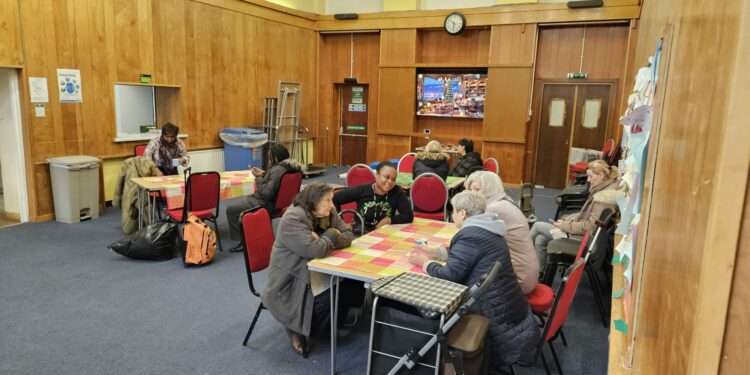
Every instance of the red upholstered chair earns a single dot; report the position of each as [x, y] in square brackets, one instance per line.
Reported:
[580, 168]
[359, 174]
[406, 163]
[558, 251]
[492, 165]
[257, 239]
[541, 299]
[429, 197]
[565, 294]
[139, 150]
[289, 186]
[201, 199]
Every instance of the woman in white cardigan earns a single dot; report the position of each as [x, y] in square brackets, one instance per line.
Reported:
[522, 253]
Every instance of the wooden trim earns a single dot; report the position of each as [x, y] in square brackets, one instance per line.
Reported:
[724, 220]
[497, 15]
[503, 140]
[11, 216]
[449, 65]
[266, 11]
[44, 217]
[11, 66]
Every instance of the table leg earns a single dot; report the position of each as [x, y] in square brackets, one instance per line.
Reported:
[334, 293]
[140, 208]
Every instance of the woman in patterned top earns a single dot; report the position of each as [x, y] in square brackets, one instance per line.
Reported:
[163, 150]
[381, 203]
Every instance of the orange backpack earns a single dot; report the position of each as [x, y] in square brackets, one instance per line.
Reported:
[200, 239]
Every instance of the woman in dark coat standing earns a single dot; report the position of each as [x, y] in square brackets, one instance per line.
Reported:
[513, 334]
[309, 229]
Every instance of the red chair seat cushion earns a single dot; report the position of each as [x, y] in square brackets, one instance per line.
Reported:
[541, 298]
[579, 167]
[430, 215]
[176, 214]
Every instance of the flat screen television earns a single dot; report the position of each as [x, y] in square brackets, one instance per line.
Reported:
[451, 94]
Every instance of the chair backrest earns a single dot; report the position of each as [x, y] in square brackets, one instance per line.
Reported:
[607, 148]
[257, 239]
[290, 184]
[429, 193]
[565, 294]
[492, 165]
[139, 150]
[406, 163]
[359, 174]
[202, 192]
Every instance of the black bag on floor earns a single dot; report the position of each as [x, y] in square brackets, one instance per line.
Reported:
[153, 242]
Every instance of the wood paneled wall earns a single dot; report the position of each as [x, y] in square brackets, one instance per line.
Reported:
[692, 237]
[223, 61]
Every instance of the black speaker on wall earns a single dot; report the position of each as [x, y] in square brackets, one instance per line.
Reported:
[346, 16]
[585, 4]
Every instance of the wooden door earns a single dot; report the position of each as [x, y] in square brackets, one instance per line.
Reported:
[353, 123]
[591, 115]
[554, 135]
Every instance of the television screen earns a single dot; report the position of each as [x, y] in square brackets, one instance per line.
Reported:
[451, 94]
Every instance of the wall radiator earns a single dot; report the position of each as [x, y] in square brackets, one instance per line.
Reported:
[207, 160]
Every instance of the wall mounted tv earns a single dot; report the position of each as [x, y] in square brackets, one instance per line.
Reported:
[451, 94]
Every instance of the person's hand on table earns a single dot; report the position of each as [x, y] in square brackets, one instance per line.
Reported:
[418, 257]
[383, 221]
[158, 172]
[184, 161]
[257, 172]
[433, 252]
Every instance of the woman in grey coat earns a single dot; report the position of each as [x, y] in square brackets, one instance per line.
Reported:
[309, 229]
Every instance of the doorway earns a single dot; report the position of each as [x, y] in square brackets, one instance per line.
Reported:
[13, 193]
[352, 115]
[573, 118]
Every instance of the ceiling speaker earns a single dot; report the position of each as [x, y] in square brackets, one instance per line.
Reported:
[585, 4]
[346, 16]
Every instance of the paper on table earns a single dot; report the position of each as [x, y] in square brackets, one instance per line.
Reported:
[319, 282]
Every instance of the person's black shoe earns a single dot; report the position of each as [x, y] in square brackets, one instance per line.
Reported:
[237, 248]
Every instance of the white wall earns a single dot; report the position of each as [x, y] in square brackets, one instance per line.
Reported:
[353, 6]
[10, 147]
[134, 106]
[454, 4]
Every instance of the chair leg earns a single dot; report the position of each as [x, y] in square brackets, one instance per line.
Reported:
[252, 325]
[554, 356]
[544, 360]
[562, 336]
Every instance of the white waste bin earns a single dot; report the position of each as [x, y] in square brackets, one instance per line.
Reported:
[75, 187]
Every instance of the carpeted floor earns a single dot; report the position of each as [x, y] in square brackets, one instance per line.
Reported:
[70, 306]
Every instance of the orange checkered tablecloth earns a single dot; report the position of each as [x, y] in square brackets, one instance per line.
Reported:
[383, 252]
[233, 184]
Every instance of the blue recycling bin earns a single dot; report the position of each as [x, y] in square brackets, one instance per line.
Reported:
[243, 148]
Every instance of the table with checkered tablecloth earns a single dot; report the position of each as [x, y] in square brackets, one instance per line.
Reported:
[380, 253]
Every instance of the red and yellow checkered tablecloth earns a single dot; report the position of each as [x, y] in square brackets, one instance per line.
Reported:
[383, 252]
[233, 184]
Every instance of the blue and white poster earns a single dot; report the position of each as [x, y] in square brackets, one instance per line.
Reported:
[69, 85]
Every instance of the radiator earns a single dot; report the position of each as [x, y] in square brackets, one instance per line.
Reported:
[207, 160]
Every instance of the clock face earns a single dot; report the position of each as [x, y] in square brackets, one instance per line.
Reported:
[454, 23]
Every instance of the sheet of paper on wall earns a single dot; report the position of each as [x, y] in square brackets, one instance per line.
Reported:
[592, 109]
[38, 90]
[556, 112]
[69, 85]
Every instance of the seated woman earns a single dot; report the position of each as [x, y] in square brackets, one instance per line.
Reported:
[309, 229]
[522, 253]
[479, 243]
[266, 187]
[381, 203]
[468, 161]
[603, 193]
[432, 159]
[167, 151]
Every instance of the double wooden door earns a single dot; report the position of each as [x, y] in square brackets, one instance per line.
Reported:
[352, 116]
[571, 116]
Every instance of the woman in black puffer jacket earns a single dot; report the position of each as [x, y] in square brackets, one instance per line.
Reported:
[513, 335]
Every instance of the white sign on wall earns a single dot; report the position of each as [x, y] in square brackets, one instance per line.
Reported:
[38, 90]
[69, 85]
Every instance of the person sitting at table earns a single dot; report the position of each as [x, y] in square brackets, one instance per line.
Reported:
[603, 193]
[522, 253]
[380, 203]
[267, 184]
[309, 229]
[468, 160]
[432, 159]
[167, 151]
[480, 242]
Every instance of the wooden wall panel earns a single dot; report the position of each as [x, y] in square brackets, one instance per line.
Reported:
[510, 156]
[507, 108]
[513, 45]
[10, 34]
[169, 42]
[134, 44]
[449, 129]
[439, 47]
[397, 100]
[605, 51]
[398, 47]
[558, 52]
[392, 147]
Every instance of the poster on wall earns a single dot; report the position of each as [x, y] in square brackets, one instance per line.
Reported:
[69, 85]
[38, 90]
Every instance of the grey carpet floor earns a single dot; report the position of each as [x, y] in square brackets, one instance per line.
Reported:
[70, 306]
